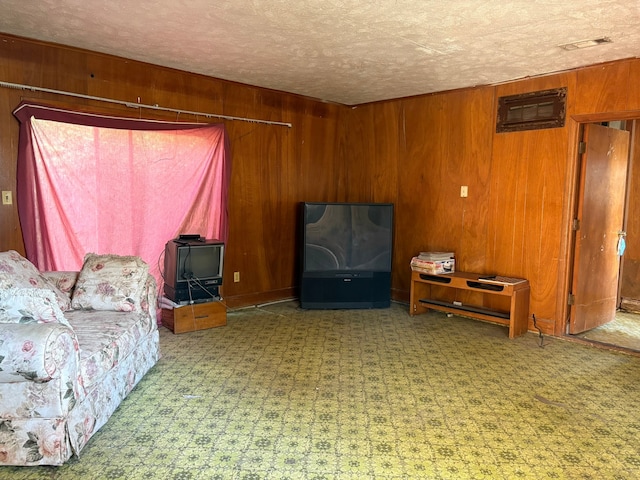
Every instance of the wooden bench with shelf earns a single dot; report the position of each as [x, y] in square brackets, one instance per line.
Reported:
[517, 289]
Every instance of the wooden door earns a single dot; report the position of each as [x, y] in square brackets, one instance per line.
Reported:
[601, 203]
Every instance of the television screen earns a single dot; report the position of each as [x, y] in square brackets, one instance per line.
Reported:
[199, 261]
[347, 237]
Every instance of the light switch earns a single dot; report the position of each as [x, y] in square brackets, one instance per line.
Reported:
[7, 197]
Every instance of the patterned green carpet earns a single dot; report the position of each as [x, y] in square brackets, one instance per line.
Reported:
[284, 393]
[623, 332]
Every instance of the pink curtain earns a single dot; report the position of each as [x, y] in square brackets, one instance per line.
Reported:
[89, 183]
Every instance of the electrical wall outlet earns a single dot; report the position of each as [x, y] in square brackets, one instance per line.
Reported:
[236, 277]
[464, 191]
[7, 197]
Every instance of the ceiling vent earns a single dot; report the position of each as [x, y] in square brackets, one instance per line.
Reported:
[532, 111]
[585, 43]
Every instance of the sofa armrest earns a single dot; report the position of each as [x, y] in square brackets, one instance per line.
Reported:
[38, 352]
[150, 299]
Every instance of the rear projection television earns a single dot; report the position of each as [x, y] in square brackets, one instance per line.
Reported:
[346, 255]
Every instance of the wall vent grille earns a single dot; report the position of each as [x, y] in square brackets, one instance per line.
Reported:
[532, 111]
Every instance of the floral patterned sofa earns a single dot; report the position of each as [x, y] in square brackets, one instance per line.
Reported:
[72, 346]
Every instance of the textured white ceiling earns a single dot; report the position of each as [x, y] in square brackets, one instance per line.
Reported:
[345, 51]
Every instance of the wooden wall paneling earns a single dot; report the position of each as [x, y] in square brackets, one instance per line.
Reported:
[470, 135]
[416, 152]
[506, 202]
[10, 231]
[384, 181]
[419, 171]
[273, 167]
[356, 151]
[509, 185]
[13, 53]
[544, 215]
[10, 71]
[386, 144]
[528, 182]
[425, 199]
[371, 152]
[281, 198]
[321, 167]
[469, 142]
[603, 88]
[633, 86]
[138, 82]
[447, 144]
[359, 153]
[528, 211]
[256, 165]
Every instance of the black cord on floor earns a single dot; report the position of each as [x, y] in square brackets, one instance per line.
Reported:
[541, 345]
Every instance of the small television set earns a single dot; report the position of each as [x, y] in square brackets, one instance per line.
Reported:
[346, 255]
[193, 269]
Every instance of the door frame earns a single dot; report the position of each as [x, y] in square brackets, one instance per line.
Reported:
[565, 272]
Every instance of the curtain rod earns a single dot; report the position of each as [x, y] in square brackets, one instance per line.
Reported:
[138, 105]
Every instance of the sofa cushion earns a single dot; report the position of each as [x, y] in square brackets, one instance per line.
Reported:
[110, 282]
[18, 272]
[64, 281]
[106, 338]
[30, 305]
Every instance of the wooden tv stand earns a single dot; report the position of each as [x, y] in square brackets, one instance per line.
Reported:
[199, 316]
[517, 318]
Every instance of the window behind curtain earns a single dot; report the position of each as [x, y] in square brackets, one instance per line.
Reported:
[106, 185]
